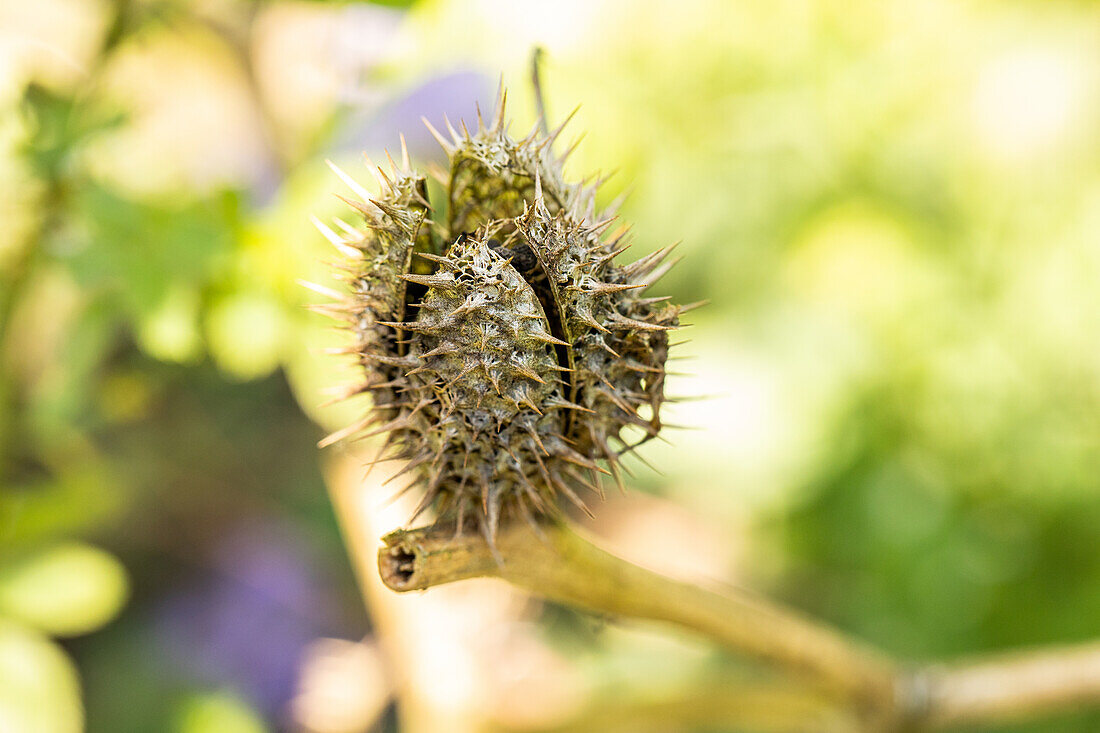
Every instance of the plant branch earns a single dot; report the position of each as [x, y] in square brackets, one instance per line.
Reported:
[564, 567]
[1011, 686]
[536, 86]
[764, 707]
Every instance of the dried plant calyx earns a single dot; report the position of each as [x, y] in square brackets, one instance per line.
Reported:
[504, 348]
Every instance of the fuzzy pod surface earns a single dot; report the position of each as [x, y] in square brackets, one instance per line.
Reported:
[507, 353]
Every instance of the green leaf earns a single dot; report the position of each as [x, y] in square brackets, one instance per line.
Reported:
[65, 590]
[218, 711]
[39, 688]
[155, 260]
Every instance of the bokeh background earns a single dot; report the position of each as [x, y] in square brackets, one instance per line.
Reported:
[894, 208]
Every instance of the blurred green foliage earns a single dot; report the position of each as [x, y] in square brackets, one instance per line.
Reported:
[893, 207]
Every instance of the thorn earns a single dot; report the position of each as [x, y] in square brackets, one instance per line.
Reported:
[601, 226]
[615, 399]
[661, 271]
[645, 265]
[613, 464]
[412, 326]
[502, 100]
[363, 208]
[616, 203]
[323, 290]
[625, 324]
[535, 436]
[624, 467]
[572, 496]
[461, 513]
[389, 187]
[602, 288]
[451, 129]
[537, 128]
[441, 350]
[623, 234]
[525, 371]
[578, 460]
[397, 361]
[531, 521]
[641, 459]
[489, 527]
[348, 228]
[564, 404]
[526, 401]
[404, 152]
[549, 142]
[540, 202]
[694, 398]
[389, 501]
[411, 465]
[429, 280]
[653, 301]
[638, 367]
[571, 149]
[461, 374]
[604, 179]
[429, 497]
[588, 320]
[342, 433]
[448, 147]
[397, 424]
[441, 259]
[548, 339]
[542, 469]
[333, 311]
[594, 487]
[341, 351]
[532, 492]
[346, 393]
[361, 192]
[374, 171]
[336, 240]
[407, 224]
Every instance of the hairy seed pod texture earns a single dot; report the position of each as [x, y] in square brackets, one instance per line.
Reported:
[505, 350]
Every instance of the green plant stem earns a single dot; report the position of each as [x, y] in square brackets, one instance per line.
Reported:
[763, 707]
[536, 85]
[565, 567]
[561, 565]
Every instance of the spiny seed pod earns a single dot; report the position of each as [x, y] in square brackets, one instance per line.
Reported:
[505, 350]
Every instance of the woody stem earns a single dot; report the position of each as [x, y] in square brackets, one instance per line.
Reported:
[560, 565]
[563, 566]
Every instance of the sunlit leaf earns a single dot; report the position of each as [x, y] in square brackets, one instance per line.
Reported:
[246, 334]
[63, 590]
[218, 711]
[39, 689]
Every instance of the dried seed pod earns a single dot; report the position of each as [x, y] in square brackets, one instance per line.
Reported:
[505, 350]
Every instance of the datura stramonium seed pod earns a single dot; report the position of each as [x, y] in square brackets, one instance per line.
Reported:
[506, 351]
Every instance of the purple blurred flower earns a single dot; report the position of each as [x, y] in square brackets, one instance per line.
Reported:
[453, 95]
[245, 624]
